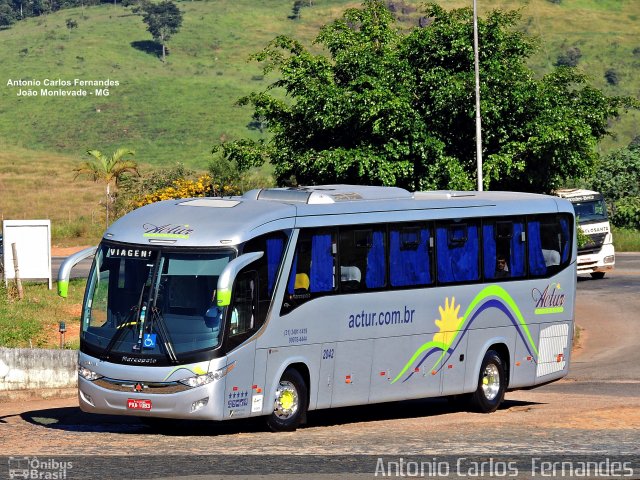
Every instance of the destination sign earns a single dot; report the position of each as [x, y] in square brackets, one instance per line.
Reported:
[140, 253]
[584, 198]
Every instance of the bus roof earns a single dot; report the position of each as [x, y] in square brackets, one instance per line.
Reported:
[231, 221]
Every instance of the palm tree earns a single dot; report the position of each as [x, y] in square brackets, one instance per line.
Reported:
[108, 170]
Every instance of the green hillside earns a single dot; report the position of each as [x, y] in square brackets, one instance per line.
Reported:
[167, 112]
[178, 110]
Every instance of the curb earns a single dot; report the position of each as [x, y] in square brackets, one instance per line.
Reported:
[37, 394]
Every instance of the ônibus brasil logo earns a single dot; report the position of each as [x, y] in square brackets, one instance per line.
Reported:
[550, 300]
[166, 231]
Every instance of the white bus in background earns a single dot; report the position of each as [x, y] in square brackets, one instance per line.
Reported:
[287, 300]
[596, 257]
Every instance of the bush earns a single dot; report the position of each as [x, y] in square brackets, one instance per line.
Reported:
[570, 58]
[627, 213]
[618, 175]
[611, 76]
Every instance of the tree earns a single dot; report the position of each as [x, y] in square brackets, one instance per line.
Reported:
[108, 170]
[71, 24]
[570, 58]
[7, 16]
[617, 177]
[163, 20]
[394, 108]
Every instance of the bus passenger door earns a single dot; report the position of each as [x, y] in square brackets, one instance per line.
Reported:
[242, 320]
[325, 381]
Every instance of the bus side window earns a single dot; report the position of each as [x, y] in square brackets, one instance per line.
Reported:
[549, 239]
[243, 319]
[458, 252]
[503, 249]
[409, 255]
[313, 268]
[362, 258]
[555, 241]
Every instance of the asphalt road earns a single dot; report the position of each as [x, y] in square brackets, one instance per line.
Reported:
[595, 412]
[81, 270]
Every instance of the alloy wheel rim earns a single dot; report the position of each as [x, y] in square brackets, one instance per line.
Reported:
[491, 381]
[287, 403]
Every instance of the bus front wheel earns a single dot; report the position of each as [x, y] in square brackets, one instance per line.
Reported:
[290, 403]
[491, 384]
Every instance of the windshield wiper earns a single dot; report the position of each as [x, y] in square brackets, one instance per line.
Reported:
[157, 320]
[127, 322]
[120, 329]
[156, 314]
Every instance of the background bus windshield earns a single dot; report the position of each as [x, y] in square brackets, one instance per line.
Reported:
[590, 211]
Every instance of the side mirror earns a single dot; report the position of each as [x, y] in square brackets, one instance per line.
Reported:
[64, 271]
[228, 276]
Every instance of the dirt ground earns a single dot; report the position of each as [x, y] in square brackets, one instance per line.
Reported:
[65, 251]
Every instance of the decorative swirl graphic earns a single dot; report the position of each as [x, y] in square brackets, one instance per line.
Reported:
[492, 296]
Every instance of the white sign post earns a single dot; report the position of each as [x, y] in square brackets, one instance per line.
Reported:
[33, 247]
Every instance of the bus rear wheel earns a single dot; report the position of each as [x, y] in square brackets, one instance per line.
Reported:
[290, 403]
[491, 384]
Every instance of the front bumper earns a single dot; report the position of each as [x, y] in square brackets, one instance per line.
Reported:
[602, 260]
[94, 398]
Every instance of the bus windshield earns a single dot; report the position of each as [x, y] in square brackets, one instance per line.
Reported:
[144, 302]
[594, 210]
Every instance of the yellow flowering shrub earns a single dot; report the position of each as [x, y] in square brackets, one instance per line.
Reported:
[204, 186]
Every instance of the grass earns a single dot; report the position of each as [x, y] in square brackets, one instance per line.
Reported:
[626, 240]
[33, 321]
[41, 186]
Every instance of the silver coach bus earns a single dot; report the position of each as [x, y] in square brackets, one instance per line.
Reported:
[287, 300]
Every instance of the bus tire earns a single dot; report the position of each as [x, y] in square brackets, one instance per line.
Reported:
[290, 402]
[491, 384]
[597, 275]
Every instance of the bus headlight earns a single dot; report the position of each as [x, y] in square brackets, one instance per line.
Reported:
[88, 374]
[199, 380]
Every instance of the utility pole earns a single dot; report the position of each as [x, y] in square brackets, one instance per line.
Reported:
[477, 75]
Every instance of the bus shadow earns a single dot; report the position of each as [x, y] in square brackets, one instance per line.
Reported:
[423, 408]
[72, 419]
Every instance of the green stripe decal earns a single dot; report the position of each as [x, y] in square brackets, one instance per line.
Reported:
[415, 356]
[165, 235]
[501, 293]
[546, 311]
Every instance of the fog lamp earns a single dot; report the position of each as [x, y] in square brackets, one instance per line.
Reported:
[198, 404]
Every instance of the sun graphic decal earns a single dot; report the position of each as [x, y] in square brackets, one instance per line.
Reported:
[449, 320]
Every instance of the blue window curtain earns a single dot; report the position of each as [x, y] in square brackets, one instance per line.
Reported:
[458, 263]
[489, 250]
[537, 265]
[321, 271]
[518, 257]
[564, 227]
[376, 265]
[274, 255]
[409, 266]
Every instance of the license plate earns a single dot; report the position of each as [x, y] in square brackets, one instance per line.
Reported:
[135, 404]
